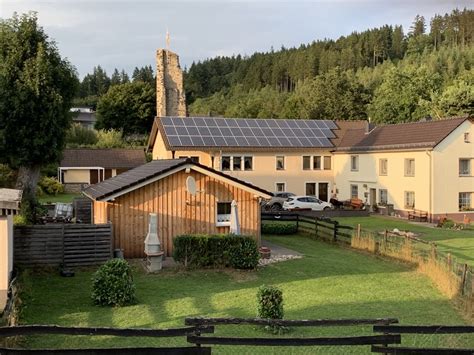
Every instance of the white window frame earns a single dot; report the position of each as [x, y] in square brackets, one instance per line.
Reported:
[284, 186]
[315, 188]
[302, 162]
[409, 173]
[242, 162]
[469, 168]
[320, 162]
[406, 199]
[324, 162]
[383, 163]
[276, 162]
[465, 201]
[224, 220]
[354, 159]
[380, 196]
[357, 188]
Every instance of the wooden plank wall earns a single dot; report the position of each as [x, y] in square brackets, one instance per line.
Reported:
[70, 244]
[178, 211]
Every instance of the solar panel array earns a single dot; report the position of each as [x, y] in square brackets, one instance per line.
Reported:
[241, 132]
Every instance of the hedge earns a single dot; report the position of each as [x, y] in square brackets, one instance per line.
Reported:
[216, 251]
[279, 228]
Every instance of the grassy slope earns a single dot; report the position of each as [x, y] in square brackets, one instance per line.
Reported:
[329, 282]
[459, 243]
[65, 197]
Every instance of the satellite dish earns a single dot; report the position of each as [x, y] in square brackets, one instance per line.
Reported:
[191, 185]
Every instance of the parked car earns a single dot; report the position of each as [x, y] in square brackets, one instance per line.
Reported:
[307, 202]
[276, 202]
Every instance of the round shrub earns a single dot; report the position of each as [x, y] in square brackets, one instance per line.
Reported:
[269, 302]
[244, 255]
[50, 185]
[112, 284]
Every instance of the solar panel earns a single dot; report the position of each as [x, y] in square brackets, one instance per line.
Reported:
[263, 133]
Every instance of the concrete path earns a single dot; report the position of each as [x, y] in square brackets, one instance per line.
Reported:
[278, 250]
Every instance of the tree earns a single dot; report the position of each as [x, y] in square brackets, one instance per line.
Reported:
[457, 99]
[36, 91]
[127, 107]
[144, 74]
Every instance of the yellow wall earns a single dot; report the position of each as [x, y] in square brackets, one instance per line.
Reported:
[76, 176]
[395, 181]
[6, 250]
[446, 182]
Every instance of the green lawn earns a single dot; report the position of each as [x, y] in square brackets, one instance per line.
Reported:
[459, 243]
[65, 197]
[329, 282]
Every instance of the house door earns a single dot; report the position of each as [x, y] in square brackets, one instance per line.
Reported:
[373, 197]
[94, 176]
[323, 191]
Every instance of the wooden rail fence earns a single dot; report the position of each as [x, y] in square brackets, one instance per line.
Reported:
[319, 227]
[197, 328]
[69, 244]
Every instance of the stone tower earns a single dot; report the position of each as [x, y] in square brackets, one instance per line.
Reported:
[170, 99]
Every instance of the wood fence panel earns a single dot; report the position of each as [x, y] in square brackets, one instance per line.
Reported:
[68, 244]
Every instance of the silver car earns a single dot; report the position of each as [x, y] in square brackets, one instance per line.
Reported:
[276, 202]
[306, 202]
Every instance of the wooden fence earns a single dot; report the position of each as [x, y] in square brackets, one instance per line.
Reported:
[318, 227]
[455, 279]
[68, 244]
[82, 209]
[197, 329]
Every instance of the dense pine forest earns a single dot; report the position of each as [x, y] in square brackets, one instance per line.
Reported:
[382, 74]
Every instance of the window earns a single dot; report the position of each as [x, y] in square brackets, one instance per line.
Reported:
[464, 167]
[354, 163]
[280, 186]
[223, 213]
[225, 163]
[383, 166]
[354, 191]
[409, 167]
[383, 196]
[280, 163]
[248, 163]
[310, 188]
[409, 199]
[306, 162]
[237, 163]
[317, 163]
[466, 137]
[327, 163]
[465, 201]
[195, 159]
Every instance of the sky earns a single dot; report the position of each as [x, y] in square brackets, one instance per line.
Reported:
[125, 34]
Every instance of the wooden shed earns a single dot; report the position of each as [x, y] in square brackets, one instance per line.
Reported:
[161, 187]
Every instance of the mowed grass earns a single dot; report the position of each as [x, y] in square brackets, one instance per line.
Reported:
[329, 282]
[460, 243]
[64, 197]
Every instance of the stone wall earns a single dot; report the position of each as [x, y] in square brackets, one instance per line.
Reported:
[170, 100]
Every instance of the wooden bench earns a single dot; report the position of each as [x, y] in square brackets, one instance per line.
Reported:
[422, 216]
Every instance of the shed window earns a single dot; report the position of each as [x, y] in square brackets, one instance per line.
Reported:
[223, 213]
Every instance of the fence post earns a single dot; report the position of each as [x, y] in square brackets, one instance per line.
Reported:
[336, 223]
[450, 264]
[463, 279]
[358, 230]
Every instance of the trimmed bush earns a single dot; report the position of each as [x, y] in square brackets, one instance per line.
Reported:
[112, 284]
[50, 185]
[269, 302]
[279, 228]
[215, 251]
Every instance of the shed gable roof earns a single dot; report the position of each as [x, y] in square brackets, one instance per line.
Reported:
[112, 158]
[154, 170]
